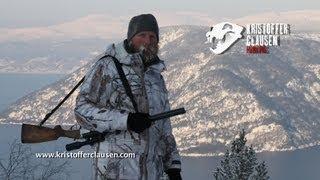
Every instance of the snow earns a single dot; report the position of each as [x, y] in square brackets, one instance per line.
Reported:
[275, 98]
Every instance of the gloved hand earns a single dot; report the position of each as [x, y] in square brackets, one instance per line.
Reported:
[138, 122]
[174, 174]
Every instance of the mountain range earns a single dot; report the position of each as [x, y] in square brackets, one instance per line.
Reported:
[274, 97]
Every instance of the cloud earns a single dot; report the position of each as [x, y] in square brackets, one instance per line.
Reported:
[107, 26]
[92, 26]
[303, 20]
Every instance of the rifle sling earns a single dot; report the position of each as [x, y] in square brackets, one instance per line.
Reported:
[124, 81]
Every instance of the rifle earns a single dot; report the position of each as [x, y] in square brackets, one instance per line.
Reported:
[93, 137]
[37, 134]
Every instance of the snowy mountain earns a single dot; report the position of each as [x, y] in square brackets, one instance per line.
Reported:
[46, 56]
[275, 97]
[109, 25]
[300, 20]
[64, 47]
[41, 65]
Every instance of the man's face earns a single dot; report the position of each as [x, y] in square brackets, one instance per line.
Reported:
[145, 42]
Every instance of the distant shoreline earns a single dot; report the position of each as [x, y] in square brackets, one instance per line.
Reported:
[34, 73]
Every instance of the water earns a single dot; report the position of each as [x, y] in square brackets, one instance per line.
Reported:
[295, 165]
[14, 86]
[80, 168]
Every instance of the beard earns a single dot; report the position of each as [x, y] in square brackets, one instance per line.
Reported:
[149, 52]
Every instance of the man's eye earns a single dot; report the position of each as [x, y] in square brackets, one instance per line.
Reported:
[152, 37]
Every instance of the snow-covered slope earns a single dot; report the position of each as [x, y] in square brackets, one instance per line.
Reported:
[275, 97]
[44, 56]
[41, 65]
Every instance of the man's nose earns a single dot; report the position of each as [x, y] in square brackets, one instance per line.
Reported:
[147, 41]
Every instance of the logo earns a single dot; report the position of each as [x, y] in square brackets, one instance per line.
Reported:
[259, 36]
[223, 36]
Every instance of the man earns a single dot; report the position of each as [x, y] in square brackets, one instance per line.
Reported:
[104, 104]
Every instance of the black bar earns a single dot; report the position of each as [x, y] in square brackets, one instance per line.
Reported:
[167, 114]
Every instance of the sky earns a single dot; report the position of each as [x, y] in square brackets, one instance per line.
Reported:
[32, 13]
[57, 20]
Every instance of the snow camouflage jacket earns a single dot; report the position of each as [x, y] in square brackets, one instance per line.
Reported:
[102, 104]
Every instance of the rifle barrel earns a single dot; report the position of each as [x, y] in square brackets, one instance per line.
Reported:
[168, 114]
